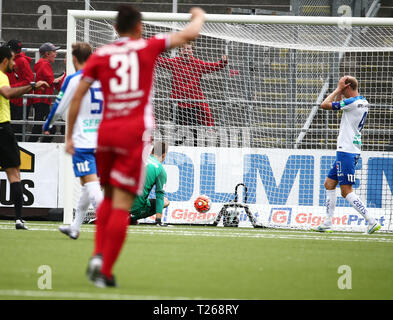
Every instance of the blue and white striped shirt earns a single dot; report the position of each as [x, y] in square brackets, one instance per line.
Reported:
[90, 113]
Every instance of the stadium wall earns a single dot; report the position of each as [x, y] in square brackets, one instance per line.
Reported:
[285, 187]
[37, 21]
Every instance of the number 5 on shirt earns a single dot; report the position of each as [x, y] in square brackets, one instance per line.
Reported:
[96, 98]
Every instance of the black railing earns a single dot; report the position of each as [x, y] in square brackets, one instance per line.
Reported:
[251, 135]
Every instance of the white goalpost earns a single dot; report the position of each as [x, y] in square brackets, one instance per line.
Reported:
[259, 122]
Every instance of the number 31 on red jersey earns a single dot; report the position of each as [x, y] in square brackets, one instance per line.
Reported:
[127, 69]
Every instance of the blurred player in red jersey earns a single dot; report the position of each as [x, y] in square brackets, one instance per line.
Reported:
[125, 69]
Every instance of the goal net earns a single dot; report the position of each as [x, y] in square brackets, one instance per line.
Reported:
[255, 118]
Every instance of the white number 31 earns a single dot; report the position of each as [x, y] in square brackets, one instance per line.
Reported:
[127, 69]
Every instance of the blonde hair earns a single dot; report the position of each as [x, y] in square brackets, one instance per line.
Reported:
[353, 83]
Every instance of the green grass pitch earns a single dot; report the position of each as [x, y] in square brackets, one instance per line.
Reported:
[191, 262]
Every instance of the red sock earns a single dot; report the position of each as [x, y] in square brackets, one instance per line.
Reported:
[103, 214]
[115, 234]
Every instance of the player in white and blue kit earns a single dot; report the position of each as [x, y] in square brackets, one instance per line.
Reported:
[355, 109]
[84, 136]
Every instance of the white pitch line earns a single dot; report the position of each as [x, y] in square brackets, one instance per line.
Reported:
[86, 295]
[278, 236]
[228, 234]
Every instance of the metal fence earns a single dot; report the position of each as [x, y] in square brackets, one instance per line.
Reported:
[27, 121]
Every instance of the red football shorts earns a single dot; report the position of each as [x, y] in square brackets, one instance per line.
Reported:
[121, 149]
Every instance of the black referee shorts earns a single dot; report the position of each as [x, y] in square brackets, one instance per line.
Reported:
[9, 149]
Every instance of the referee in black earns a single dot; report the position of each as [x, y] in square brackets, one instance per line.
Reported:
[9, 149]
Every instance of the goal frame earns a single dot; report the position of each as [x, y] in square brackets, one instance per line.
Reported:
[72, 15]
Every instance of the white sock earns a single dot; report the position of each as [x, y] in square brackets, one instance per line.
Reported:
[95, 193]
[83, 205]
[331, 200]
[358, 204]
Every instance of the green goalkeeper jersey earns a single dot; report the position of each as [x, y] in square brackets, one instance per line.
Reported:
[155, 176]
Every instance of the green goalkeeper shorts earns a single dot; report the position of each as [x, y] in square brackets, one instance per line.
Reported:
[146, 211]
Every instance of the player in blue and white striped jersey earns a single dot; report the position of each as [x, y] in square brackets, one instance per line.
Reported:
[84, 135]
[355, 109]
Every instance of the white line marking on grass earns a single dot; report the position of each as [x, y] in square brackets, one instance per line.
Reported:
[86, 295]
[355, 238]
[228, 233]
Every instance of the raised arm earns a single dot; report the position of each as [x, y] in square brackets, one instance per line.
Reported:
[191, 31]
[207, 67]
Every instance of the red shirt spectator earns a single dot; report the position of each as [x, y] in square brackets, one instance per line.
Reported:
[22, 74]
[43, 71]
[187, 72]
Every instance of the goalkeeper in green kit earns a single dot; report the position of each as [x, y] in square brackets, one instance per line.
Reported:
[144, 207]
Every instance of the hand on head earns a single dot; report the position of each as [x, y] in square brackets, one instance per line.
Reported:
[342, 83]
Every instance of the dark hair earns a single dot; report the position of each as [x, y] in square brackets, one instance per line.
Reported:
[5, 52]
[127, 18]
[15, 45]
[159, 148]
[81, 51]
